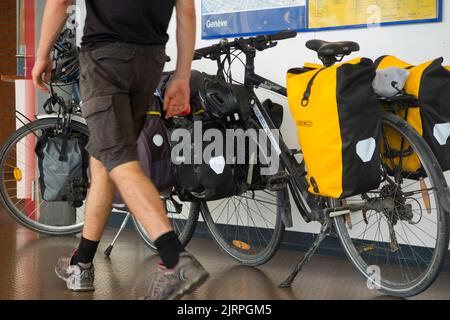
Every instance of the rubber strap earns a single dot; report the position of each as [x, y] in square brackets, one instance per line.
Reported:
[307, 93]
[63, 153]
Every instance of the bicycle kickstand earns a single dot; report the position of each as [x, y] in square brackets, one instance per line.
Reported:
[324, 232]
[111, 246]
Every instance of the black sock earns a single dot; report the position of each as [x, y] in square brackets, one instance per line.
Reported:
[169, 248]
[86, 251]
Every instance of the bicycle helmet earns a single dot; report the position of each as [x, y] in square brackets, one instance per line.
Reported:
[194, 84]
[66, 67]
[224, 101]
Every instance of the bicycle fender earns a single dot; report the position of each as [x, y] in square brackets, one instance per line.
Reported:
[286, 213]
[444, 196]
[50, 116]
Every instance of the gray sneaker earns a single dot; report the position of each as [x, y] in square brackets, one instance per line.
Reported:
[79, 277]
[172, 284]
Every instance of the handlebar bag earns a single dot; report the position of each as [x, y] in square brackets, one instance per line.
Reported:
[198, 177]
[63, 162]
[338, 120]
[429, 83]
[153, 147]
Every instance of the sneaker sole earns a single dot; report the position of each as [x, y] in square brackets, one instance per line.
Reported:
[189, 287]
[66, 280]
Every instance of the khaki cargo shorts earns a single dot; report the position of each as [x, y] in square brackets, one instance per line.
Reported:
[117, 82]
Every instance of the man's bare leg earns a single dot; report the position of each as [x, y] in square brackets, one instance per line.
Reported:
[98, 202]
[98, 209]
[142, 198]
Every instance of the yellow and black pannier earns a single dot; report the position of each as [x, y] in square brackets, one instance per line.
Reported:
[338, 119]
[429, 83]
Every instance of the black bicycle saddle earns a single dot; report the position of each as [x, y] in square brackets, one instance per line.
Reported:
[332, 49]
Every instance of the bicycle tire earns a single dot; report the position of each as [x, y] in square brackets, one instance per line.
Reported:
[435, 175]
[4, 199]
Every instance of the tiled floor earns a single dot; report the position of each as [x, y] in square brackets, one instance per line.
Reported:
[27, 261]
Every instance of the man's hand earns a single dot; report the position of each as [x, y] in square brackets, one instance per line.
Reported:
[42, 71]
[176, 98]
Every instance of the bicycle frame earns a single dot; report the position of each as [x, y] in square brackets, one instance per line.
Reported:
[298, 183]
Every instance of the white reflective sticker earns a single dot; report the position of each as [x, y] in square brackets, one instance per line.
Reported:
[158, 140]
[442, 133]
[217, 164]
[366, 148]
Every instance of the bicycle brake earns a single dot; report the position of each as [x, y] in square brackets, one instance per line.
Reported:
[277, 182]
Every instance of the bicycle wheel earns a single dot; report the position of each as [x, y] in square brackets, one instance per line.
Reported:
[400, 250]
[20, 193]
[183, 217]
[249, 227]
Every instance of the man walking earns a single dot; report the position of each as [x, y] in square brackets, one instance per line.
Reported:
[121, 61]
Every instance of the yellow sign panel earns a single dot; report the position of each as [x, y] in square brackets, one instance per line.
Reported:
[340, 13]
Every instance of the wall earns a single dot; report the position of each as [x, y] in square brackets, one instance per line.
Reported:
[413, 43]
[7, 66]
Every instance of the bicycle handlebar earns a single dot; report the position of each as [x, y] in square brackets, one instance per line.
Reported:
[260, 43]
[283, 35]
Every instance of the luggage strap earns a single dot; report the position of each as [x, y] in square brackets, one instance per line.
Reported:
[63, 152]
[199, 112]
[307, 93]
[154, 113]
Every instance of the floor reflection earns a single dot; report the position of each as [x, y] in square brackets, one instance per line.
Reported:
[27, 261]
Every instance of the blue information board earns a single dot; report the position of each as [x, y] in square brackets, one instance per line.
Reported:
[232, 18]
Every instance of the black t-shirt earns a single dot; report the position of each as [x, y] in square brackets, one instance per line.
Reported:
[135, 21]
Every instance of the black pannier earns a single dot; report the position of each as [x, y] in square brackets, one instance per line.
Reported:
[200, 178]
